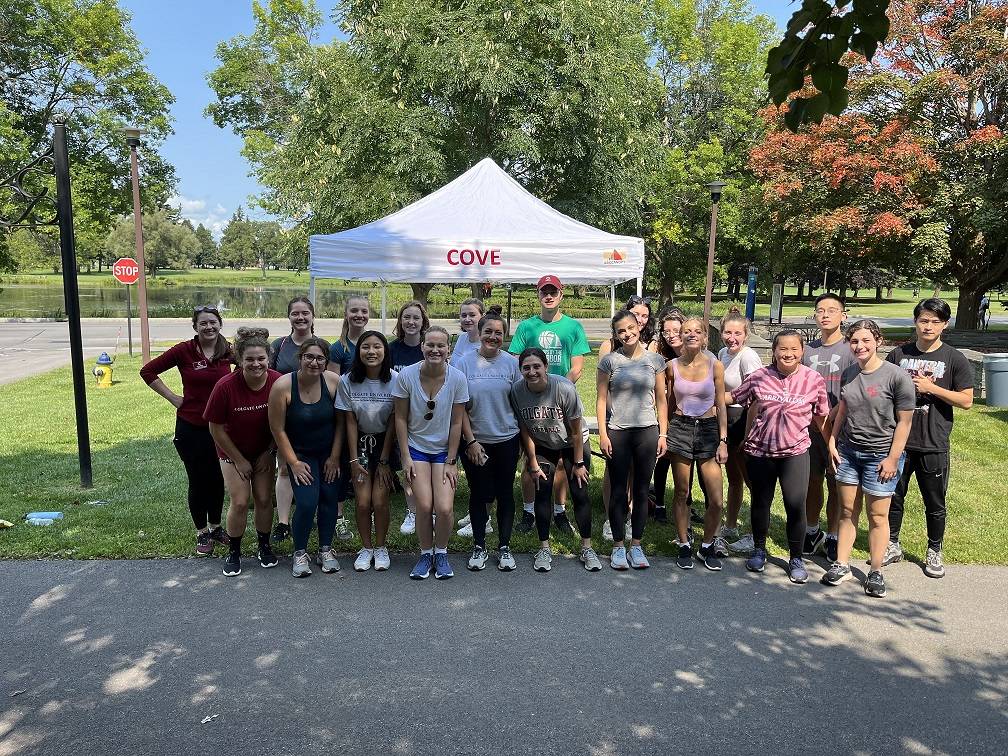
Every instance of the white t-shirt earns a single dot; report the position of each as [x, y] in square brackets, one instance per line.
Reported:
[490, 413]
[738, 366]
[430, 436]
[462, 347]
[370, 400]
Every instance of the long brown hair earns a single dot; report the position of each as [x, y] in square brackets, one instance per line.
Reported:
[424, 320]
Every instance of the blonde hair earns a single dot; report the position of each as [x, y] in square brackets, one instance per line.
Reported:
[437, 329]
[345, 333]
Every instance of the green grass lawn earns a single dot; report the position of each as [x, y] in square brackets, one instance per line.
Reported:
[141, 483]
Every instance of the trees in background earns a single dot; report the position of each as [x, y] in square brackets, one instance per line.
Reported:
[168, 242]
[80, 57]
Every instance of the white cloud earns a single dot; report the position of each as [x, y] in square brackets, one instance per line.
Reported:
[196, 211]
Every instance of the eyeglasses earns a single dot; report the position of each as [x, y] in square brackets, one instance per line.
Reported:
[321, 359]
[431, 404]
[828, 311]
[669, 334]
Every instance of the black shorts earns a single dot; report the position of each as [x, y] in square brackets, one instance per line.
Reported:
[551, 458]
[818, 455]
[693, 437]
[369, 448]
[736, 425]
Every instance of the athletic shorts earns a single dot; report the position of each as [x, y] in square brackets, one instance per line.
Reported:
[861, 468]
[736, 425]
[438, 458]
[693, 437]
[819, 464]
[369, 448]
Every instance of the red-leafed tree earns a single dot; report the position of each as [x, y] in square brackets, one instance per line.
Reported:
[844, 194]
[935, 96]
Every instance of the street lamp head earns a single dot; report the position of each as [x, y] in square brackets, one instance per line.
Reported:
[132, 135]
[715, 188]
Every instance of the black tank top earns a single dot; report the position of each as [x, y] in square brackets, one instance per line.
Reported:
[310, 427]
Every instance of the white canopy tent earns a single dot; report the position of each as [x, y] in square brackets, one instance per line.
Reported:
[483, 226]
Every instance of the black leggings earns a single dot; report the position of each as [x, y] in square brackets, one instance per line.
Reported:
[633, 452]
[195, 447]
[793, 474]
[548, 459]
[489, 482]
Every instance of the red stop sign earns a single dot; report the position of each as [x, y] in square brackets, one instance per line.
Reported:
[126, 270]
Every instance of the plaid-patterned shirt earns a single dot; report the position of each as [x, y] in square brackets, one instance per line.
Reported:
[786, 404]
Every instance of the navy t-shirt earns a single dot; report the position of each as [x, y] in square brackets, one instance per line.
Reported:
[404, 355]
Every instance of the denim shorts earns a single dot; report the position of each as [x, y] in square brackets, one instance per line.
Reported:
[861, 468]
[693, 437]
[438, 458]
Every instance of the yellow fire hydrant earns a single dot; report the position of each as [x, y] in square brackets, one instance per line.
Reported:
[103, 370]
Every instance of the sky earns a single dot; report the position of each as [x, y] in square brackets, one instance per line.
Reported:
[180, 43]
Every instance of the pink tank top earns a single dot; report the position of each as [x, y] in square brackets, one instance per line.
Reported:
[693, 398]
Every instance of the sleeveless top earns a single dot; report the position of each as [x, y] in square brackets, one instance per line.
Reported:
[693, 398]
[310, 427]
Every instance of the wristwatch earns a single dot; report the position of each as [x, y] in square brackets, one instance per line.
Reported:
[724, 440]
[580, 464]
[452, 461]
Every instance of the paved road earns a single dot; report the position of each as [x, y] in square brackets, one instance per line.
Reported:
[130, 657]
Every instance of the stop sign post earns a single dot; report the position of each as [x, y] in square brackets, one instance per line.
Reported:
[126, 271]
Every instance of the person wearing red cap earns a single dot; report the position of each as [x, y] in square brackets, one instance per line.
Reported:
[565, 343]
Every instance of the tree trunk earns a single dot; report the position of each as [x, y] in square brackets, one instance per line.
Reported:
[878, 294]
[966, 311]
[476, 290]
[420, 292]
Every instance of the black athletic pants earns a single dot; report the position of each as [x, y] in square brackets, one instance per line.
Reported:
[633, 452]
[547, 460]
[195, 447]
[489, 482]
[793, 474]
[932, 471]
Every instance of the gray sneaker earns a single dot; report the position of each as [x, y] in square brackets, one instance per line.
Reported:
[327, 559]
[543, 560]
[342, 531]
[721, 548]
[618, 560]
[728, 535]
[302, 565]
[893, 553]
[505, 560]
[478, 558]
[637, 559]
[744, 545]
[590, 560]
[934, 565]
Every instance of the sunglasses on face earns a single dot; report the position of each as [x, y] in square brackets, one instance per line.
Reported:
[431, 404]
[548, 291]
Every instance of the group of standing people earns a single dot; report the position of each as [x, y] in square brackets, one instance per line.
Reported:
[312, 421]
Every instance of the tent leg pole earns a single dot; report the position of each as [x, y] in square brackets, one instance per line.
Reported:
[640, 287]
[612, 300]
[384, 305]
[311, 289]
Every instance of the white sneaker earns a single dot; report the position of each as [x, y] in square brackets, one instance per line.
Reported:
[505, 560]
[543, 560]
[381, 559]
[408, 526]
[363, 561]
[478, 559]
[466, 531]
[743, 545]
[464, 521]
[607, 531]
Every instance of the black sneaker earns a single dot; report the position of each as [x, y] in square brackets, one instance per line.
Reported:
[527, 523]
[830, 548]
[836, 574]
[813, 543]
[562, 523]
[281, 532]
[661, 515]
[875, 584]
[266, 556]
[232, 564]
[708, 557]
[685, 559]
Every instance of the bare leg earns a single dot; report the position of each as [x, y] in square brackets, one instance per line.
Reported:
[710, 471]
[362, 497]
[850, 512]
[878, 528]
[423, 499]
[239, 491]
[737, 481]
[680, 497]
[262, 491]
[284, 495]
[444, 502]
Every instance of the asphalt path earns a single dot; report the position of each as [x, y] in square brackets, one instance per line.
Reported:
[170, 657]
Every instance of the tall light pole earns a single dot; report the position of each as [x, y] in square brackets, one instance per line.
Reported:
[715, 188]
[133, 140]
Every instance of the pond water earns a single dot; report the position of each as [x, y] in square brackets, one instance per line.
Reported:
[171, 301]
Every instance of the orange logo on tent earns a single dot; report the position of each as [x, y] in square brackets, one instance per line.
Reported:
[613, 257]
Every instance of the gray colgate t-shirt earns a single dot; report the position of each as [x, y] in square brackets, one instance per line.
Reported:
[542, 415]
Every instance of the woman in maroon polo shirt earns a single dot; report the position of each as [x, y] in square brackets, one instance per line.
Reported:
[201, 361]
[239, 423]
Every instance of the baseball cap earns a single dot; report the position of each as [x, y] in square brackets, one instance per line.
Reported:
[549, 281]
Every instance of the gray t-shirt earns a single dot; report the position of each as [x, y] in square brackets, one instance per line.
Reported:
[461, 348]
[542, 415]
[738, 366]
[490, 413]
[873, 401]
[631, 389]
[430, 436]
[830, 362]
[370, 401]
[284, 355]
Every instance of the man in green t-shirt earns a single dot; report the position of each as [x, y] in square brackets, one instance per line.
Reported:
[563, 340]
